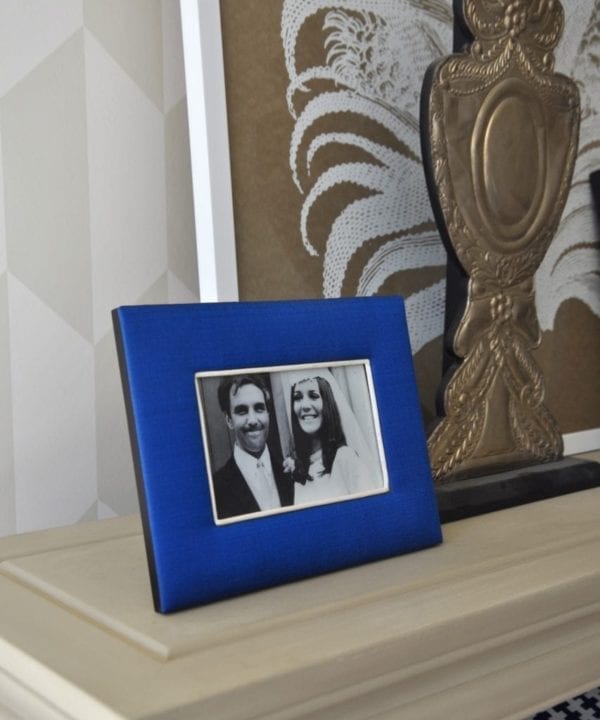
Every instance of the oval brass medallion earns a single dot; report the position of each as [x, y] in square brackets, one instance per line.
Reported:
[508, 151]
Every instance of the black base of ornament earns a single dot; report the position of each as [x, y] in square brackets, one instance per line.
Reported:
[476, 496]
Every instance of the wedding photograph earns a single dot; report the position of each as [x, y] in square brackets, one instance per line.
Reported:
[285, 438]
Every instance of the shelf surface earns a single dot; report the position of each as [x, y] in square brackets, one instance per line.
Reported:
[504, 616]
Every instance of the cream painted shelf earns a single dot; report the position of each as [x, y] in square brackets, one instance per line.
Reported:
[499, 621]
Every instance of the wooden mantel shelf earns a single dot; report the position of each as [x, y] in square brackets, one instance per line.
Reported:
[501, 620]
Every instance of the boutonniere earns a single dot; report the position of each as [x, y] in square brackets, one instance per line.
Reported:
[289, 464]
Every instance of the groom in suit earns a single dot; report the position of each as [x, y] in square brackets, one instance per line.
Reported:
[250, 481]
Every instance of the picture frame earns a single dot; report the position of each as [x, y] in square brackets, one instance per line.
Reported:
[195, 560]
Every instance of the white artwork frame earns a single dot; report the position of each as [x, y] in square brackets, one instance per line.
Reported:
[581, 442]
[209, 148]
[211, 169]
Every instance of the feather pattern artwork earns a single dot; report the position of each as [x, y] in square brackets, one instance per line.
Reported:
[362, 73]
[355, 69]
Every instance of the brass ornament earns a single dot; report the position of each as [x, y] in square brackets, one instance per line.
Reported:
[500, 140]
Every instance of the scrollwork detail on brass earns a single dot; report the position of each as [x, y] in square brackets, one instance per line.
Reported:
[502, 139]
[522, 32]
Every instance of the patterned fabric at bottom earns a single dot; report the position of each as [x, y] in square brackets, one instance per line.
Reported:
[582, 707]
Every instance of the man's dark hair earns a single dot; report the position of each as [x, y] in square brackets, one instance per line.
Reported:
[234, 383]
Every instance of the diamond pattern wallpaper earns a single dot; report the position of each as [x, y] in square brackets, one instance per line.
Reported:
[95, 212]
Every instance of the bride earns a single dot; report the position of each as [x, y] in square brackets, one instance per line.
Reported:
[327, 465]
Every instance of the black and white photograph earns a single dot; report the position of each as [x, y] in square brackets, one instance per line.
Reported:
[283, 438]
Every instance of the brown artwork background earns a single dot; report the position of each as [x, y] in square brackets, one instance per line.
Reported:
[273, 262]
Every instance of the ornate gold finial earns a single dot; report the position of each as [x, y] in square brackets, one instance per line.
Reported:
[500, 133]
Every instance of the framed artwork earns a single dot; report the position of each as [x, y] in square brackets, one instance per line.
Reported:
[272, 441]
[306, 166]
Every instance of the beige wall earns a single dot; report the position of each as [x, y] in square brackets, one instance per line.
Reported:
[95, 212]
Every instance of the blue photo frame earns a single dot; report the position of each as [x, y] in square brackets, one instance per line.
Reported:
[192, 559]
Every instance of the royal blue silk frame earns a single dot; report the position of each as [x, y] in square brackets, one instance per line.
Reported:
[192, 560]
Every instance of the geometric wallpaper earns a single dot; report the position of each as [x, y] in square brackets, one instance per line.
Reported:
[95, 212]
